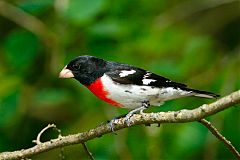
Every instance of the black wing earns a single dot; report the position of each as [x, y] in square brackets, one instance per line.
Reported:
[138, 77]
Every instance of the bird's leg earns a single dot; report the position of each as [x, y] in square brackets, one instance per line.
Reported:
[145, 105]
[111, 122]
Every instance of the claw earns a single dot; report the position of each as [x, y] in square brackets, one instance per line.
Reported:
[130, 114]
[111, 124]
[141, 111]
[145, 105]
[127, 118]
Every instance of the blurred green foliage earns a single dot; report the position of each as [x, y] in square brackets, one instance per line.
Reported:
[190, 41]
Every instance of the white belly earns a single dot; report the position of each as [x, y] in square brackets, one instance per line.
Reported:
[132, 96]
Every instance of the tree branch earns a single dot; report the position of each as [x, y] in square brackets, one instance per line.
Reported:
[37, 27]
[87, 151]
[218, 135]
[38, 140]
[137, 119]
[27, 21]
[186, 9]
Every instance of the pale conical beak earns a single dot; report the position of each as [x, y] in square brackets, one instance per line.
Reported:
[66, 73]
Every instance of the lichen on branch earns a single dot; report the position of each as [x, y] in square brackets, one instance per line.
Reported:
[181, 116]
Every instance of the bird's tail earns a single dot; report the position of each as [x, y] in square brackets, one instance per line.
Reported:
[203, 94]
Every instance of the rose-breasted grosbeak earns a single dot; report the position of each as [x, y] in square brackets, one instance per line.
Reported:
[126, 86]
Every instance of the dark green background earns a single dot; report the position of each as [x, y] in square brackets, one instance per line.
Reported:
[193, 42]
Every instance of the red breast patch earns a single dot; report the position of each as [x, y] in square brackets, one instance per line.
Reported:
[98, 90]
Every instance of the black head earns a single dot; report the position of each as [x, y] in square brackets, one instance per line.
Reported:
[85, 69]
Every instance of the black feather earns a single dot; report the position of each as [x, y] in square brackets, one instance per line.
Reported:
[138, 76]
[87, 69]
[203, 94]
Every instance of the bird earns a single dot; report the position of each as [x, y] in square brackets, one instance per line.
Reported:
[125, 85]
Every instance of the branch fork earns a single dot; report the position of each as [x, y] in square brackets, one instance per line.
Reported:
[182, 116]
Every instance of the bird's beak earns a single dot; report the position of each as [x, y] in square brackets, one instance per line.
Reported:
[66, 73]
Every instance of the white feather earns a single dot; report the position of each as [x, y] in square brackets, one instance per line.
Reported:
[131, 96]
[147, 75]
[148, 81]
[125, 73]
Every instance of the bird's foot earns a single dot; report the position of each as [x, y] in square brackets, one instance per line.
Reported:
[111, 124]
[114, 120]
[145, 105]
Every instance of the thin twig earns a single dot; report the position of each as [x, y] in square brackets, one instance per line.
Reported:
[27, 21]
[61, 155]
[38, 140]
[87, 151]
[181, 116]
[37, 27]
[186, 9]
[218, 135]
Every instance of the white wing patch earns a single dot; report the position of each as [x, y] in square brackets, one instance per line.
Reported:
[148, 81]
[147, 75]
[131, 96]
[125, 73]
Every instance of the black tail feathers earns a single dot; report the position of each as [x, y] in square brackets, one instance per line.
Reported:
[203, 94]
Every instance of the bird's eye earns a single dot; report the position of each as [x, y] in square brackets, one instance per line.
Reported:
[76, 66]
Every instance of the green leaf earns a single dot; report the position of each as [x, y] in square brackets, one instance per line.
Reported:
[51, 97]
[198, 53]
[9, 85]
[138, 149]
[108, 28]
[190, 140]
[83, 11]
[21, 49]
[9, 95]
[8, 108]
[36, 7]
